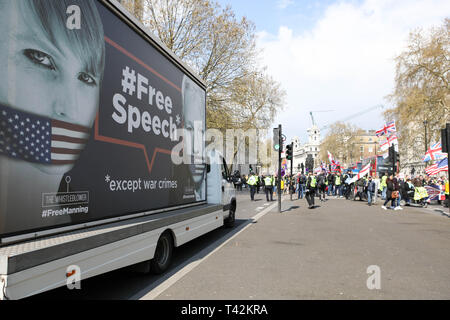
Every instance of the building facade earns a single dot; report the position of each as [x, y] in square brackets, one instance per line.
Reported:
[311, 147]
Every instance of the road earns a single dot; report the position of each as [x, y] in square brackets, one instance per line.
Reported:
[322, 253]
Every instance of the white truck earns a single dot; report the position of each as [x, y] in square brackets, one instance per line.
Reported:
[115, 219]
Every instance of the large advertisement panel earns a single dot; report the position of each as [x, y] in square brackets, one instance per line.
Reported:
[90, 113]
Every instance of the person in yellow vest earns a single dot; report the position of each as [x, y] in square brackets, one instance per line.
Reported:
[311, 187]
[268, 182]
[446, 202]
[420, 194]
[252, 181]
[383, 186]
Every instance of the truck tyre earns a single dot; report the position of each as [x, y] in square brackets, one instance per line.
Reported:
[229, 222]
[163, 254]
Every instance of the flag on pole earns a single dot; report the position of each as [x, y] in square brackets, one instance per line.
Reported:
[432, 170]
[364, 172]
[434, 153]
[443, 165]
[393, 141]
[387, 128]
[384, 145]
[437, 168]
[330, 157]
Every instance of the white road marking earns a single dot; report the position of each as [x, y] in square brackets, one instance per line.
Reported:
[259, 208]
[196, 260]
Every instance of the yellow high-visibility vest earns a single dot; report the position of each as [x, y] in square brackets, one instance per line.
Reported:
[252, 181]
[338, 181]
[313, 182]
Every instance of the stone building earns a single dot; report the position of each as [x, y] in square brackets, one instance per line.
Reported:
[311, 147]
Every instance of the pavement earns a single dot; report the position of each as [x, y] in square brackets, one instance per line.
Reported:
[325, 253]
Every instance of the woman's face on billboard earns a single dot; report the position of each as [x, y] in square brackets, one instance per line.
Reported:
[41, 78]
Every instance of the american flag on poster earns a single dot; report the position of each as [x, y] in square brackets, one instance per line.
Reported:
[38, 139]
[387, 128]
[434, 153]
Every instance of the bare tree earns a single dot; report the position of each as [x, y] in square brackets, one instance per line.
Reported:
[222, 50]
[422, 91]
[341, 141]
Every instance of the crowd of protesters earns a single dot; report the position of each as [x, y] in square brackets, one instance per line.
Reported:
[394, 190]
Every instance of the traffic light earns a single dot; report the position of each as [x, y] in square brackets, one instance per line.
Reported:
[289, 151]
[444, 140]
[391, 154]
[276, 139]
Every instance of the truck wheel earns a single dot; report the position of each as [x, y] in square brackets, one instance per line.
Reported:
[229, 222]
[163, 254]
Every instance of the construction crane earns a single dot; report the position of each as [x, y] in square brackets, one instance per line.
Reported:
[360, 113]
[312, 117]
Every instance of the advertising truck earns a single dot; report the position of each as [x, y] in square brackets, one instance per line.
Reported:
[103, 161]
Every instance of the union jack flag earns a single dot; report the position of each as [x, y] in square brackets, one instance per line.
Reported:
[434, 192]
[434, 153]
[387, 128]
[38, 139]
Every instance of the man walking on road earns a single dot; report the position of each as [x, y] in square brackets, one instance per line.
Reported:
[371, 189]
[268, 182]
[311, 187]
[322, 185]
[252, 181]
[301, 186]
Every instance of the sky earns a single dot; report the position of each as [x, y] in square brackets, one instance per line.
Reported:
[335, 55]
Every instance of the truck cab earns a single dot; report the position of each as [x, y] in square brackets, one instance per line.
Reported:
[220, 189]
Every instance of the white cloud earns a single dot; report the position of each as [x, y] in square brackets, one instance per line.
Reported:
[346, 61]
[283, 4]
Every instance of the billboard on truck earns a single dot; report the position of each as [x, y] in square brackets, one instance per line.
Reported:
[90, 111]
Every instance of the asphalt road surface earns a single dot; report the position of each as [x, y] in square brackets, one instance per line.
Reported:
[329, 252]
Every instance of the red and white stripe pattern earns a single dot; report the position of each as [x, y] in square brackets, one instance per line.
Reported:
[384, 145]
[330, 157]
[364, 172]
[67, 142]
[392, 140]
[433, 170]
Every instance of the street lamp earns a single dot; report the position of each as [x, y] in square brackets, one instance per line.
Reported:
[426, 139]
